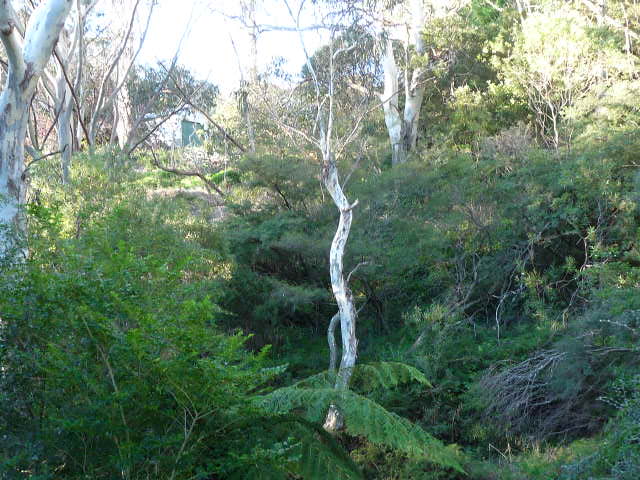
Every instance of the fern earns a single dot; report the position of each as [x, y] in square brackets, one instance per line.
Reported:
[312, 396]
[369, 377]
[311, 453]
[321, 456]
[386, 375]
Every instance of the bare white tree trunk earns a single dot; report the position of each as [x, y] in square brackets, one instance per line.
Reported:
[341, 290]
[27, 60]
[13, 130]
[331, 339]
[64, 107]
[414, 92]
[339, 286]
[122, 103]
[403, 127]
[123, 124]
[392, 118]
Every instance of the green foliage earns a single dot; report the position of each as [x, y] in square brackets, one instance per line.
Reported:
[162, 89]
[123, 352]
[320, 455]
[368, 377]
[116, 361]
[112, 360]
[365, 417]
[556, 57]
[618, 454]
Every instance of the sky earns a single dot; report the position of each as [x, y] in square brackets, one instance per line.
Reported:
[207, 49]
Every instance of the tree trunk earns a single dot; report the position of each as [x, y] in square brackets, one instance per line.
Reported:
[26, 63]
[412, 107]
[403, 128]
[122, 104]
[392, 118]
[341, 291]
[398, 153]
[13, 130]
[65, 136]
[331, 339]
[415, 89]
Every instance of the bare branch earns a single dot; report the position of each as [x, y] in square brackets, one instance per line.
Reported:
[103, 84]
[188, 173]
[187, 100]
[25, 172]
[355, 269]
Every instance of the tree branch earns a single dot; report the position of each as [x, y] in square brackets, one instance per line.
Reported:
[188, 173]
[187, 100]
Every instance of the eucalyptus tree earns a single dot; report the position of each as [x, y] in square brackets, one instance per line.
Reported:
[403, 127]
[330, 138]
[56, 95]
[27, 58]
[70, 58]
[122, 121]
[405, 69]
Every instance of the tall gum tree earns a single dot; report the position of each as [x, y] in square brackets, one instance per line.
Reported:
[325, 138]
[122, 124]
[27, 58]
[402, 127]
[406, 23]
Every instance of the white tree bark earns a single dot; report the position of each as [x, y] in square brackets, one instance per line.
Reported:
[341, 290]
[65, 137]
[63, 99]
[414, 92]
[331, 339]
[27, 60]
[339, 286]
[122, 104]
[402, 127]
[392, 118]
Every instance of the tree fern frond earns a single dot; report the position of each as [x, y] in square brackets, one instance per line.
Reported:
[320, 455]
[324, 379]
[365, 418]
[369, 376]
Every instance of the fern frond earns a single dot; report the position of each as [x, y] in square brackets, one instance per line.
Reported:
[325, 379]
[365, 418]
[370, 376]
[320, 455]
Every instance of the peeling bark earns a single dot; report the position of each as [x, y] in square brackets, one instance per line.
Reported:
[27, 61]
[331, 339]
[402, 127]
[341, 291]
